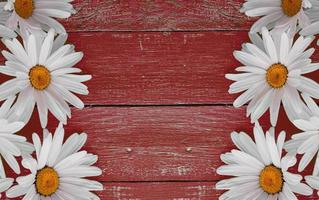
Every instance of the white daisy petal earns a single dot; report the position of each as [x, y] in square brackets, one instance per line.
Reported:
[46, 47]
[313, 181]
[264, 21]
[272, 148]
[87, 184]
[16, 191]
[44, 152]
[302, 189]
[270, 46]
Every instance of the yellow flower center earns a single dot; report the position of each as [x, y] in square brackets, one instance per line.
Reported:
[291, 7]
[271, 179]
[40, 77]
[277, 75]
[47, 181]
[24, 8]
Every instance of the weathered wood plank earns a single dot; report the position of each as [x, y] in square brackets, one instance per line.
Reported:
[158, 143]
[160, 191]
[165, 15]
[164, 191]
[167, 191]
[159, 68]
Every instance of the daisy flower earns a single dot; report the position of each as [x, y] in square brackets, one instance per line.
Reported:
[5, 31]
[282, 15]
[313, 14]
[259, 169]
[12, 145]
[306, 143]
[272, 73]
[59, 170]
[33, 15]
[43, 75]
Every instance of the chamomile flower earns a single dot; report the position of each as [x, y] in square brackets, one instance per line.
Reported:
[34, 15]
[259, 170]
[5, 31]
[272, 73]
[43, 75]
[313, 14]
[281, 15]
[306, 142]
[12, 145]
[59, 170]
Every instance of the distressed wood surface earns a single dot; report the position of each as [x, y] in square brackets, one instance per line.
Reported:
[164, 190]
[167, 190]
[144, 151]
[158, 15]
[147, 58]
[164, 143]
[159, 68]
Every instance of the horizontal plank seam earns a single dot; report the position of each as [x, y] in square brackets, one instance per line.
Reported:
[156, 105]
[159, 31]
[164, 181]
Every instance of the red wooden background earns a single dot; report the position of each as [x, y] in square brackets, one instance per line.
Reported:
[158, 113]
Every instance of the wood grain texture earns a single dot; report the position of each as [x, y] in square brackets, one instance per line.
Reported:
[164, 190]
[158, 15]
[145, 55]
[167, 190]
[161, 190]
[159, 68]
[158, 143]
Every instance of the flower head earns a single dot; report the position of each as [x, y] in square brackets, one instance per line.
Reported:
[272, 73]
[59, 170]
[43, 75]
[280, 15]
[259, 170]
[306, 142]
[29, 16]
[313, 28]
[12, 145]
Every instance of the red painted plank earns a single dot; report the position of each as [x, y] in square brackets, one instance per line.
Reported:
[158, 143]
[164, 191]
[167, 191]
[159, 15]
[160, 191]
[159, 68]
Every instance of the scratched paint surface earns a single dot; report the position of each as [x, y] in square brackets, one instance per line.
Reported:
[158, 114]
